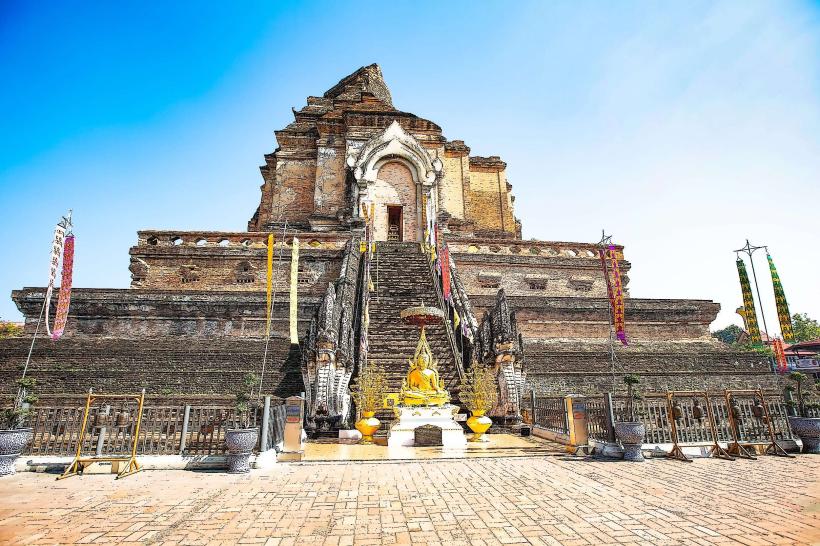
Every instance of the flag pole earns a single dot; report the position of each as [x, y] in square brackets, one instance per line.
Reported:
[749, 250]
[65, 222]
[602, 244]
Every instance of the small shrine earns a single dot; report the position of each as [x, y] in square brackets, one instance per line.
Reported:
[424, 403]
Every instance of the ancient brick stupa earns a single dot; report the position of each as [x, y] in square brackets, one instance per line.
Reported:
[193, 319]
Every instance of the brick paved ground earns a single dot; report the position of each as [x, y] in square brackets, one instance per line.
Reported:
[538, 500]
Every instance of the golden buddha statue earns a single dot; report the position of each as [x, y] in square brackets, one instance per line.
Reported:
[422, 386]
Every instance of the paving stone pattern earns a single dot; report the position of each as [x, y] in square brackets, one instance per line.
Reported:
[534, 500]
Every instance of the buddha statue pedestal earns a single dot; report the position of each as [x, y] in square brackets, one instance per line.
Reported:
[403, 433]
[423, 398]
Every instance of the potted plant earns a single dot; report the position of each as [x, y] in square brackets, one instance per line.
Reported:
[805, 427]
[14, 435]
[368, 392]
[478, 394]
[242, 439]
[631, 432]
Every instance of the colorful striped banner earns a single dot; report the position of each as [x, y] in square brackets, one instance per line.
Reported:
[618, 300]
[614, 288]
[64, 298]
[748, 304]
[782, 305]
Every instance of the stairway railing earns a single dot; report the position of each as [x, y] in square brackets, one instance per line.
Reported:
[361, 315]
[444, 306]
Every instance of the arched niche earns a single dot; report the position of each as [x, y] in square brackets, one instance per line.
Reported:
[395, 145]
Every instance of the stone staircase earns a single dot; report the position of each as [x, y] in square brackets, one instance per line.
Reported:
[401, 278]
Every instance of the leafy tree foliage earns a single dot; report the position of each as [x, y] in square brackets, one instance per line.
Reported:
[10, 329]
[805, 328]
[729, 335]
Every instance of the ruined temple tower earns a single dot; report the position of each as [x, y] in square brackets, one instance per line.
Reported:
[193, 318]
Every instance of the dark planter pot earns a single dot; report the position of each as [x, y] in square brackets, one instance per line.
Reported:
[808, 430]
[240, 442]
[12, 443]
[631, 435]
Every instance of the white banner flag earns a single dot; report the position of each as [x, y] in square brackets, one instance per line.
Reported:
[56, 254]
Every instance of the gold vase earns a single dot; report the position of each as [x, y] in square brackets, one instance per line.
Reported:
[479, 423]
[368, 425]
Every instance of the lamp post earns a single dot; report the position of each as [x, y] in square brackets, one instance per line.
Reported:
[749, 249]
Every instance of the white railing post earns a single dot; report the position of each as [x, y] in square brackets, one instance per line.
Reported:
[263, 446]
[186, 417]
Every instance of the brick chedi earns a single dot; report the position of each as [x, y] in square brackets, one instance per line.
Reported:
[193, 319]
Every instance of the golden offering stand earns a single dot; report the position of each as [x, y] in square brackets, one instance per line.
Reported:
[79, 463]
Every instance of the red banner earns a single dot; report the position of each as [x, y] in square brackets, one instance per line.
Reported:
[445, 271]
[614, 289]
[780, 356]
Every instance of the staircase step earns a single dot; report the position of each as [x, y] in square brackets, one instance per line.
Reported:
[401, 278]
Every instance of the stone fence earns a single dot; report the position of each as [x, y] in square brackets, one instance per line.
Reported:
[534, 248]
[240, 239]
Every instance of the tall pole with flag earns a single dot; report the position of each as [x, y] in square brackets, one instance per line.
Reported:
[780, 301]
[749, 250]
[749, 313]
[62, 246]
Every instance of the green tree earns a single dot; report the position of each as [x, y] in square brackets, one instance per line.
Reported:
[10, 329]
[805, 328]
[729, 335]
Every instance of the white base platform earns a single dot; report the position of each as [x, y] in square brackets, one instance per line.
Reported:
[403, 433]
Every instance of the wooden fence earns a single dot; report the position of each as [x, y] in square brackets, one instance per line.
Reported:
[689, 413]
[182, 429]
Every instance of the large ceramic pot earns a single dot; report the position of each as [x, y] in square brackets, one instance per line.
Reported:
[479, 423]
[808, 430]
[368, 425]
[631, 435]
[240, 442]
[12, 443]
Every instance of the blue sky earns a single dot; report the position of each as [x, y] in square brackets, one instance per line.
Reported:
[682, 128]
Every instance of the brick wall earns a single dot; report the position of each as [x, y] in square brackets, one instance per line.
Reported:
[487, 199]
[588, 370]
[231, 262]
[160, 365]
[454, 182]
[331, 179]
[293, 189]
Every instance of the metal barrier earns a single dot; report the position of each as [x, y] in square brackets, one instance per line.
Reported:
[599, 418]
[549, 412]
[276, 428]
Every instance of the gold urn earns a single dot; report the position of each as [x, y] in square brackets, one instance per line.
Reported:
[479, 424]
[368, 425]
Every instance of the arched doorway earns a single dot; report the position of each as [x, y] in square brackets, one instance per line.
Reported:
[394, 195]
[396, 176]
